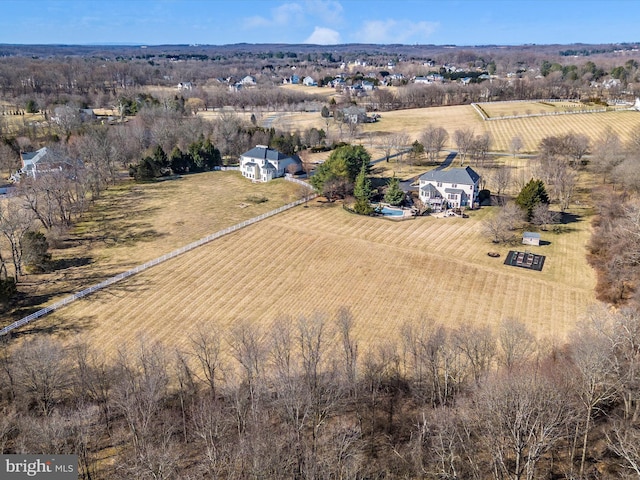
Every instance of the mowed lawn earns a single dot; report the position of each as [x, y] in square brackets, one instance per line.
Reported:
[131, 224]
[320, 258]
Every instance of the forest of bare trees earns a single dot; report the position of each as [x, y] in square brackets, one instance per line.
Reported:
[303, 399]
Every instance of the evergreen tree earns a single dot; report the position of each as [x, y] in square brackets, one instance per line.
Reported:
[178, 161]
[417, 151]
[394, 194]
[344, 163]
[210, 155]
[362, 192]
[531, 195]
[35, 251]
[32, 106]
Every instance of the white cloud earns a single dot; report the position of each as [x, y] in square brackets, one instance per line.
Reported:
[323, 36]
[329, 11]
[395, 31]
[297, 14]
[284, 15]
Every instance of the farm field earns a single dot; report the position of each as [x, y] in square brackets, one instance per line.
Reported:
[534, 129]
[413, 122]
[132, 224]
[501, 109]
[321, 258]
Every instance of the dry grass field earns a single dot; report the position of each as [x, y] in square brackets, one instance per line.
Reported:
[501, 109]
[413, 122]
[320, 258]
[533, 129]
[135, 223]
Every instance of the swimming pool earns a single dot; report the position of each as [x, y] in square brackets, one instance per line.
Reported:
[391, 212]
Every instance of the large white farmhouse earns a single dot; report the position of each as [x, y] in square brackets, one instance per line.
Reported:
[262, 164]
[453, 188]
[45, 161]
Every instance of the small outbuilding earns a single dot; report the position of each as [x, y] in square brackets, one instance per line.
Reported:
[531, 238]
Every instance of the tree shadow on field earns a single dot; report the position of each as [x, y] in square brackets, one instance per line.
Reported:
[565, 223]
[65, 263]
[31, 303]
[49, 325]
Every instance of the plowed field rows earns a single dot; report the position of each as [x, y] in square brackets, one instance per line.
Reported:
[534, 129]
[501, 109]
[320, 258]
[530, 129]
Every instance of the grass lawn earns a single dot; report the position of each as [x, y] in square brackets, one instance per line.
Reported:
[320, 258]
[134, 223]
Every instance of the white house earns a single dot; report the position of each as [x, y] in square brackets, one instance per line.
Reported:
[453, 188]
[262, 163]
[248, 81]
[45, 161]
[309, 82]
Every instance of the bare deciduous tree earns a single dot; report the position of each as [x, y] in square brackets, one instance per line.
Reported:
[544, 217]
[478, 345]
[433, 139]
[501, 226]
[516, 344]
[515, 145]
[524, 414]
[608, 152]
[15, 221]
[207, 348]
[42, 373]
[597, 378]
[501, 179]
[463, 139]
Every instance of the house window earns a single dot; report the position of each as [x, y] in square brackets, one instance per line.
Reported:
[454, 185]
[439, 184]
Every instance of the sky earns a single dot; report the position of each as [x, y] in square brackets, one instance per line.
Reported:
[323, 22]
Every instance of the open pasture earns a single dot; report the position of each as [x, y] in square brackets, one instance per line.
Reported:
[534, 129]
[135, 223]
[320, 258]
[502, 109]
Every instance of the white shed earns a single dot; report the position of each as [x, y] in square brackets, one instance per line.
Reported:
[531, 238]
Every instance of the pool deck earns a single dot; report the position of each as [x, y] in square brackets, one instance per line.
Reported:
[406, 212]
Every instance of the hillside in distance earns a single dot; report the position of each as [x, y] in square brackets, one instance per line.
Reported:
[416, 51]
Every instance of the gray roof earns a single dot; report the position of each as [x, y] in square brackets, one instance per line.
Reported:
[262, 152]
[433, 191]
[35, 156]
[353, 110]
[457, 191]
[464, 176]
[531, 235]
